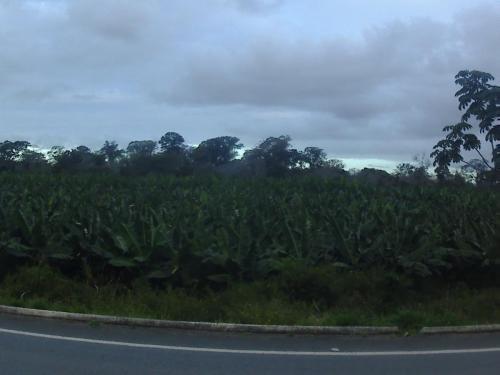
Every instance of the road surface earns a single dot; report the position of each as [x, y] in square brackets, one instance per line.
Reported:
[42, 346]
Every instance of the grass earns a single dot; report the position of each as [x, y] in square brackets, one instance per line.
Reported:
[267, 302]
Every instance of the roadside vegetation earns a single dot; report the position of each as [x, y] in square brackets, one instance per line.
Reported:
[278, 236]
[295, 250]
[360, 299]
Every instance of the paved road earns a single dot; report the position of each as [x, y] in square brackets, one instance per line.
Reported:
[39, 346]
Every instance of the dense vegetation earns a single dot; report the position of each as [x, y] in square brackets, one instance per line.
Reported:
[303, 250]
[210, 231]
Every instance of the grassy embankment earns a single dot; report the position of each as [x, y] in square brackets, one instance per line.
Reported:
[258, 303]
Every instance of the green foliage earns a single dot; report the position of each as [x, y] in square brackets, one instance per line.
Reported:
[315, 157]
[409, 320]
[274, 156]
[78, 159]
[172, 142]
[12, 153]
[263, 302]
[210, 232]
[141, 148]
[335, 285]
[217, 151]
[111, 151]
[215, 156]
[481, 101]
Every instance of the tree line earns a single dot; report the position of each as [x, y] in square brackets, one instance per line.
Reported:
[225, 155]
[275, 157]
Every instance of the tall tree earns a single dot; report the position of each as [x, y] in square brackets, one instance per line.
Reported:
[80, 158]
[11, 153]
[217, 151]
[111, 151]
[141, 148]
[481, 101]
[172, 142]
[275, 153]
[315, 157]
[55, 153]
[335, 164]
[32, 160]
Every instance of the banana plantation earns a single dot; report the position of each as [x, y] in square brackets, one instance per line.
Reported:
[209, 231]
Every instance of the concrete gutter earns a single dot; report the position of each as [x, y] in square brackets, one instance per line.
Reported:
[203, 326]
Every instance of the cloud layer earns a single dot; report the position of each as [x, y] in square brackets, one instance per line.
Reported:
[84, 70]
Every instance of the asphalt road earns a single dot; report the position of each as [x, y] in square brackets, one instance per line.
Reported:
[40, 346]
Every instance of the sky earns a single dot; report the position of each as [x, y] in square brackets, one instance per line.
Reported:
[371, 82]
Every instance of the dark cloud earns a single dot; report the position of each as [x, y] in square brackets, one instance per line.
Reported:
[120, 19]
[398, 79]
[350, 79]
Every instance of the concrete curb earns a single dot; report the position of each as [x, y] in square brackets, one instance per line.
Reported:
[202, 326]
[460, 329]
[242, 328]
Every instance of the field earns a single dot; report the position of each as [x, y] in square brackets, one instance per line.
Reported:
[316, 245]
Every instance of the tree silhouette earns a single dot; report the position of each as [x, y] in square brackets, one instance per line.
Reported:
[11, 152]
[481, 101]
[315, 157]
[111, 151]
[141, 148]
[78, 159]
[32, 160]
[275, 154]
[217, 151]
[172, 142]
[272, 157]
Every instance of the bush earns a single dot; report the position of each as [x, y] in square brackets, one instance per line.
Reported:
[330, 285]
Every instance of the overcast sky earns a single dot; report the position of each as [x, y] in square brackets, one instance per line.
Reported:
[363, 79]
